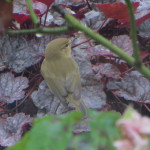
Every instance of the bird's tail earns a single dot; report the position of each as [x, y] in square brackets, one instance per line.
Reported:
[83, 108]
[79, 104]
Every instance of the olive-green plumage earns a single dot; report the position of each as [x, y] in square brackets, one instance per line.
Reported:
[61, 73]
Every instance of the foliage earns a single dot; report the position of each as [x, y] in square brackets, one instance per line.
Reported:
[55, 132]
[12, 128]
[117, 10]
[11, 89]
[106, 67]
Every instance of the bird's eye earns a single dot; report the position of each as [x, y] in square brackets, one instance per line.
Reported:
[66, 45]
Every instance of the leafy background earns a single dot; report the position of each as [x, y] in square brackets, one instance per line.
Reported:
[108, 83]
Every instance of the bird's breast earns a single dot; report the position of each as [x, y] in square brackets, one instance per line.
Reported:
[63, 67]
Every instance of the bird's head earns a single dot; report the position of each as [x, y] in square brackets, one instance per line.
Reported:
[60, 47]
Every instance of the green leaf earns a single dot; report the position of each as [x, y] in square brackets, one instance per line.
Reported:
[48, 133]
[104, 130]
[55, 133]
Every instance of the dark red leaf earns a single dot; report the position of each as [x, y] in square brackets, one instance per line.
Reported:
[138, 22]
[21, 18]
[117, 10]
[37, 12]
[46, 2]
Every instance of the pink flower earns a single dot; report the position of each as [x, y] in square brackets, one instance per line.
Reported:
[123, 145]
[135, 130]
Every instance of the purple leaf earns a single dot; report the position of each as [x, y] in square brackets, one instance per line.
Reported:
[11, 128]
[132, 87]
[108, 70]
[11, 88]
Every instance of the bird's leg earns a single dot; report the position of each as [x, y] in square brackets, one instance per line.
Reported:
[65, 103]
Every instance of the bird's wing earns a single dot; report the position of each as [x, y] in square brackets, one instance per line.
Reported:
[73, 86]
[54, 84]
[73, 82]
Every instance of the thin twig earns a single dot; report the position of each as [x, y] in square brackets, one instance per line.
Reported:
[55, 30]
[133, 34]
[32, 13]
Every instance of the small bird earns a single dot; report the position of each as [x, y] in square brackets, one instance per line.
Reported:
[61, 73]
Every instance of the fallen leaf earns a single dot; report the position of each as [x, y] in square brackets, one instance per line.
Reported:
[17, 53]
[21, 11]
[107, 70]
[133, 87]
[117, 10]
[11, 88]
[21, 18]
[46, 2]
[94, 19]
[44, 100]
[144, 29]
[124, 42]
[11, 128]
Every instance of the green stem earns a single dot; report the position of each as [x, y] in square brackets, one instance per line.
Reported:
[74, 23]
[101, 40]
[32, 13]
[144, 70]
[56, 30]
[133, 34]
